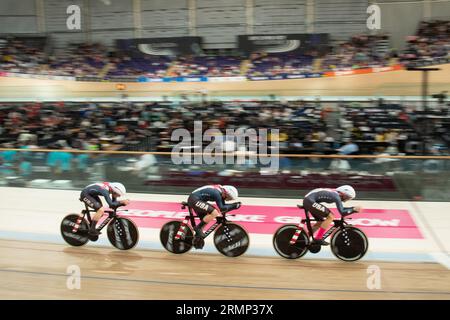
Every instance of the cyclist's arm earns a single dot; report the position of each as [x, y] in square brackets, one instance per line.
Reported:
[112, 203]
[221, 203]
[343, 211]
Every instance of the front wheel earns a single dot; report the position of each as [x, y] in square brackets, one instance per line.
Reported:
[231, 240]
[123, 233]
[282, 245]
[74, 230]
[349, 244]
[167, 237]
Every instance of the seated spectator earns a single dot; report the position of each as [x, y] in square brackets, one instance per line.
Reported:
[348, 148]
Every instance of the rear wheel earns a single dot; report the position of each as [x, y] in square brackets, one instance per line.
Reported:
[349, 244]
[74, 230]
[231, 240]
[282, 245]
[167, 237]
[123, 233]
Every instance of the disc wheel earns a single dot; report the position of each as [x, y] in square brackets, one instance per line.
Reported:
[231, 240]
[349, 244]
[168, 241]
[123, 233]
[282, 245]
[80, 236]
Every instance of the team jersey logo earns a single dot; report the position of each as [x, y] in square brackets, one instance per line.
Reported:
[201, 205]
[318, 207]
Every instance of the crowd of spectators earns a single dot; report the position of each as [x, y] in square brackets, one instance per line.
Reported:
[213, 66]
[148, 66]
[16, 56]
[79, 60]
[304, 127]
[72, 126]
[312, 128]
[361, 51]
[431, 41]
[263, 64]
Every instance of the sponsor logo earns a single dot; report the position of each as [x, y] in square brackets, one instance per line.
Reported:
[381, 69]
[376, 223]
[227, 79]
[343, 73]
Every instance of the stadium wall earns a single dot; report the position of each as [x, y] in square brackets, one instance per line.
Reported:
[218, 22]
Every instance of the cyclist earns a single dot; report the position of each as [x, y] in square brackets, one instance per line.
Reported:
[198, 200]
[312, 203]
[110, 191]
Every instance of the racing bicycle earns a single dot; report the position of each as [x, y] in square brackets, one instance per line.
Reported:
[122, 232]
[348, 243]
[230, 239]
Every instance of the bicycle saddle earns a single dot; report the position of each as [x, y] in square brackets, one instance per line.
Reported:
[184, 204]
[300, 206]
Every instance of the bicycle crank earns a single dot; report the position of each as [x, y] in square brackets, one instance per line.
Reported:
[198, 243]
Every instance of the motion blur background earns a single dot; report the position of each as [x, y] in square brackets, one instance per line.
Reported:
[92, 90]
[320, 76]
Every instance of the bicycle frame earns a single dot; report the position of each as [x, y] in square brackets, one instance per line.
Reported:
[86, 213]
[337, 224]
[191, 217]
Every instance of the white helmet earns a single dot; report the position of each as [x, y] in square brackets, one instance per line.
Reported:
[230, 192]
[118, 188]
[348, 191]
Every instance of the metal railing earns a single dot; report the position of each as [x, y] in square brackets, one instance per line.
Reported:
[378, 177]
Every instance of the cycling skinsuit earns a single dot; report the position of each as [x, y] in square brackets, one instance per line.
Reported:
[312, 201]
[90, 196]
[198, 200]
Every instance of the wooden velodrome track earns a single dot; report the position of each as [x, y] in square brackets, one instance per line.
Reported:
[32, 270]
[391, 83]
[34, 260]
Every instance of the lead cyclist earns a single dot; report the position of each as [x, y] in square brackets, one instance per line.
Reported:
[313, 203]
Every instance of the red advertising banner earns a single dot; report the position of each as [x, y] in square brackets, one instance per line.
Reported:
[362, 71]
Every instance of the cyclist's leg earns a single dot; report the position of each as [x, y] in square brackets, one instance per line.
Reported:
[205, 211]
[328, 220]
[308, 205]
[96, 204]
[97, 216]
[210, 217]
[205, 219]
[325, 217]
[316, 226]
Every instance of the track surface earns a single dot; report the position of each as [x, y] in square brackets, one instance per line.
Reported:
[32, 270]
